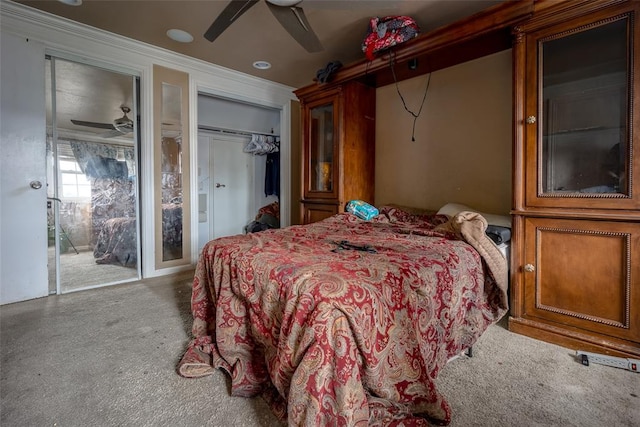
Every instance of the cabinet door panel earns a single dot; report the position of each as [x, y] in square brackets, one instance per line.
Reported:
[584, 274]
[313, 212]
[580, 95]
[320, 149]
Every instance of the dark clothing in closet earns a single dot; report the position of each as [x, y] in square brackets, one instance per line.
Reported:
[272, 175]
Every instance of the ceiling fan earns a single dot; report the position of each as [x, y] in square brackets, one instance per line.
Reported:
[120, 126]
[290, 16]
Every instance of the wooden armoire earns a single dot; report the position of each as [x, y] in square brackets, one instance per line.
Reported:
[576, 246]
[575, 252]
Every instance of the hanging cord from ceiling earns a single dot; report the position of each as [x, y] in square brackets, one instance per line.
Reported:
[426, 89]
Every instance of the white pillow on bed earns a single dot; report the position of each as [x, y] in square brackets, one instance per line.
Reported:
[451, 209]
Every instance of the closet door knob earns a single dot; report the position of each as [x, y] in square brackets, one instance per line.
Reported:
[36, 185]
[529, 268]
[531, 120]
[218, 185]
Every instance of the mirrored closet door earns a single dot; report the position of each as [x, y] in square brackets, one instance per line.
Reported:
[92, 176]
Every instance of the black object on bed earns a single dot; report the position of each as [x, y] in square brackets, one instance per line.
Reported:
[498, 234]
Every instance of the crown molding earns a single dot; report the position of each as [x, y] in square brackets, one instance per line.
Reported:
[62, 34]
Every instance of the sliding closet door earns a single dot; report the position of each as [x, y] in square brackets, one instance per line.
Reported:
[92, 176]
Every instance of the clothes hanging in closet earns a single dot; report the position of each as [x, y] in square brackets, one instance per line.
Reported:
[272, 175]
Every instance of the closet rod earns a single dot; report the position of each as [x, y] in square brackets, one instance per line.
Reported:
[233, 131]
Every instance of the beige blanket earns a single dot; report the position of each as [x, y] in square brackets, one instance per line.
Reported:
[471, 227]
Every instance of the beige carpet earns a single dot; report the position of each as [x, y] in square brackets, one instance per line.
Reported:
[107, 357]
[79, 271]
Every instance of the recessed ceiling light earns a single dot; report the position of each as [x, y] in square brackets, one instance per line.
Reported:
[262, 65]
[179, 36]
[71, 2]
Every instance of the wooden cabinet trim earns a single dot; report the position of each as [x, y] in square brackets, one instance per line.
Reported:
[551, 12]
[573, 338]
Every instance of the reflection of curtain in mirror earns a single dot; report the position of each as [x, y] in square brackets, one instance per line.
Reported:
[113, 193]
[86, 153]
[171, 176]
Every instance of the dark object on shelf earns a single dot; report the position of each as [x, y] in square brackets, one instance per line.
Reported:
[324, 74]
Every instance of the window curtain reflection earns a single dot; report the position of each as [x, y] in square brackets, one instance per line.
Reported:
[103, 160]
[111, 170]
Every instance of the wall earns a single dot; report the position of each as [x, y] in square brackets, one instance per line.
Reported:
[463, 138]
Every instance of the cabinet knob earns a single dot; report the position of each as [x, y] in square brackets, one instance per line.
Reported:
[529, 268]
[531, 120]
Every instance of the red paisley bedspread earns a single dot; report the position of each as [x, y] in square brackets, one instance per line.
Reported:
[341, 337]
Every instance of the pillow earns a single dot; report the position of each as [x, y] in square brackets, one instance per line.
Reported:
[416, 216]
[451, 209]
[410, 209]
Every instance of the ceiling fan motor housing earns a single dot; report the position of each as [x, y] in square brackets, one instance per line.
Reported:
[286, 3]
[123, 124]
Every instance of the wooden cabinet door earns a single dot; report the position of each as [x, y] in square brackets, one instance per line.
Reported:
[314, 212]
[580, 89]
[583, 276]
[321, 155]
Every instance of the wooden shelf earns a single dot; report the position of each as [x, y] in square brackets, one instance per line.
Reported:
[481, 34]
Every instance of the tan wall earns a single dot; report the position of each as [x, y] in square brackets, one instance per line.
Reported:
[463, 138]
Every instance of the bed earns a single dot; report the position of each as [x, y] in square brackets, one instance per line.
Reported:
[117, 241]
[346, 321]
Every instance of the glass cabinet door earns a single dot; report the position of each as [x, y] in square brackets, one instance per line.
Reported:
[582, 118]
[322, 153]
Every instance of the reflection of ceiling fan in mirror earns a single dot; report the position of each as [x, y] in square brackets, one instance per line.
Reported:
[290, 16]
[120, 126]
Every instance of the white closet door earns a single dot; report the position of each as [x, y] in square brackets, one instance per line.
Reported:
[23, 193]
[228, 185]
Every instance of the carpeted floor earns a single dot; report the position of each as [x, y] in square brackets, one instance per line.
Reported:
[107, 357]
[80, 270]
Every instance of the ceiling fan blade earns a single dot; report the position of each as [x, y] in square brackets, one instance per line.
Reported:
[124, 129]
[93, 124]
[295, 22]
[233, 11]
